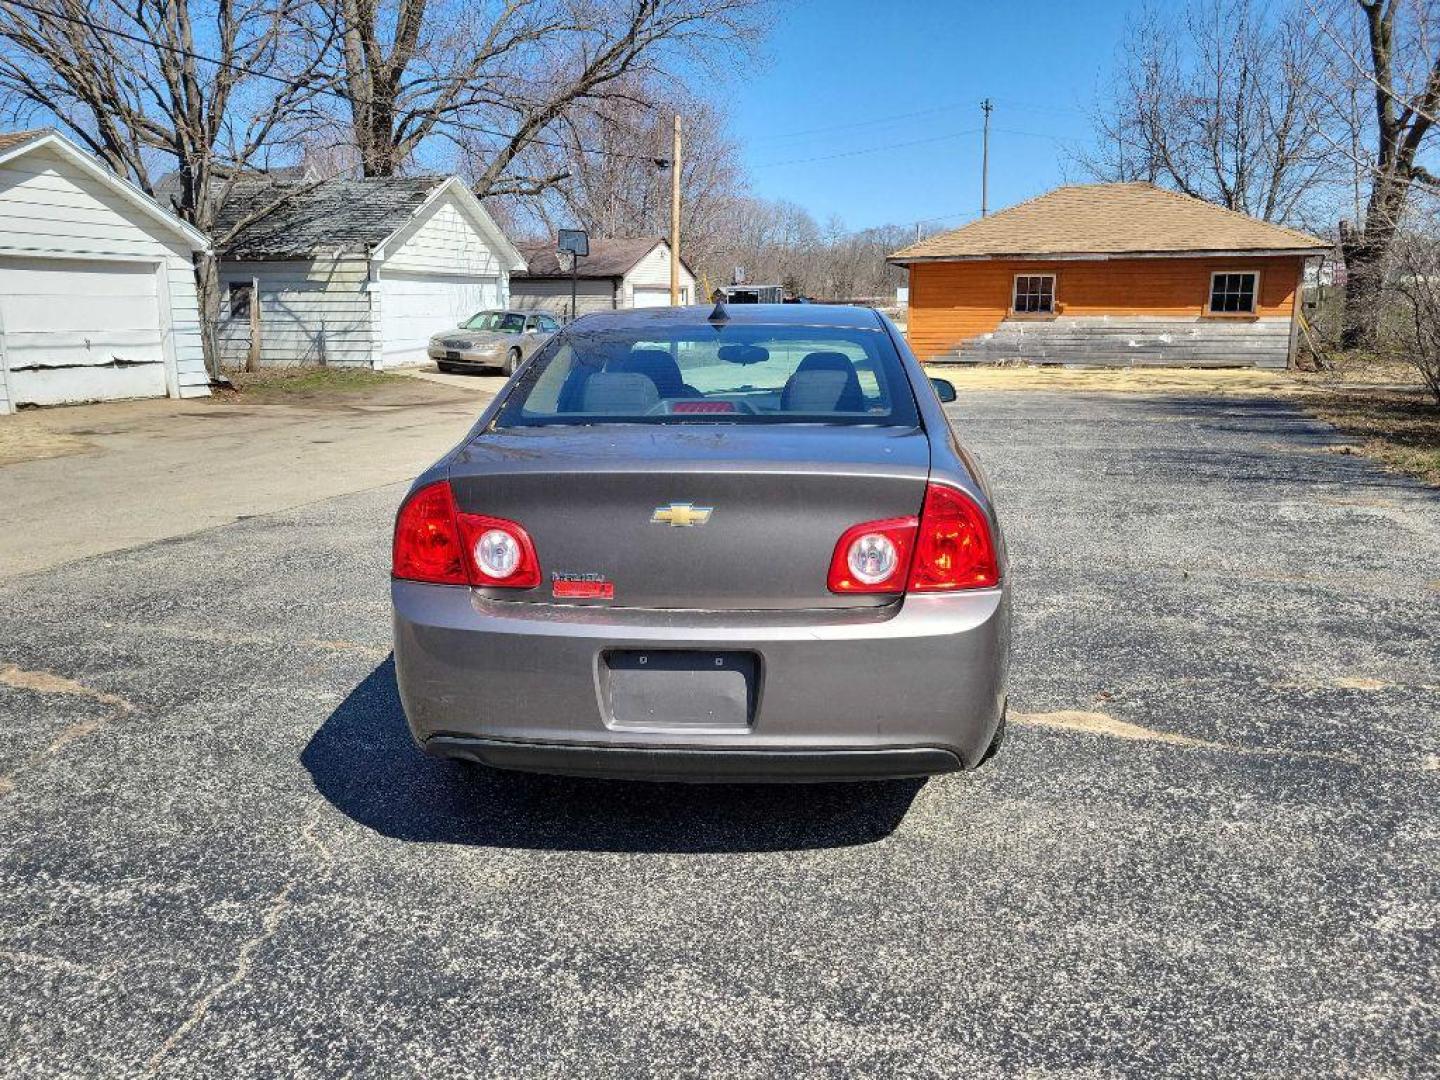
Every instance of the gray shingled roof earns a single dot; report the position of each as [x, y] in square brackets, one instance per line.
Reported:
[334, 216]
[609, 258]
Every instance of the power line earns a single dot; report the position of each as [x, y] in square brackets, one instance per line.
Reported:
[1036, 135]
[890, 118]
[1051, 108]
[293, 84]
[868, 149]
[853, 124]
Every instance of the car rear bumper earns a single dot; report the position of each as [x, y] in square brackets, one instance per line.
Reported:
[911, 689]
[720, 766]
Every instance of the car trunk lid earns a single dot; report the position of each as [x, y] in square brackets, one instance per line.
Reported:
[691, 515]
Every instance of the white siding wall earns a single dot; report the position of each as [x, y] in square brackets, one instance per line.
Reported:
[311, 312]
[440, 265]
[52, 209]
[653, 272]
[553, 295]
[444, 242]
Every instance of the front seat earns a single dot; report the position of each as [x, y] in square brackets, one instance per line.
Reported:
[824, 382]
[659, 367]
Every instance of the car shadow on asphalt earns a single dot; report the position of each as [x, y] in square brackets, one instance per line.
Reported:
[364, 762]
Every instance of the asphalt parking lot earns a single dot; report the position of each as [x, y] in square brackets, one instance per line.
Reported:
[1207, 848]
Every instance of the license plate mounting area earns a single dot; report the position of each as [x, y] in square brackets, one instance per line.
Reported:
[679, 689]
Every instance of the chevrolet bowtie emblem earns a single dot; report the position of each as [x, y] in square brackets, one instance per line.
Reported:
[681, 515]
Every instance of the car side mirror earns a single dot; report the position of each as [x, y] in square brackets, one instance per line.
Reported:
[944, 389]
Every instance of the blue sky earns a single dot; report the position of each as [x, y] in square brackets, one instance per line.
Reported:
[873, 67]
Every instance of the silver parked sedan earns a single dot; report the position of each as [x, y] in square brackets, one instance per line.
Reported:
[492, 339]
[740, 544]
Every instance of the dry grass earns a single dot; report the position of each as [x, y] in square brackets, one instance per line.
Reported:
[1381, 406]
[1127, 380]
[307, 382]
[1400, 429]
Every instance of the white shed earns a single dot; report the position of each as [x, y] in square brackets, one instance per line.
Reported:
[620, 272]
[355, 271]
[97, 283]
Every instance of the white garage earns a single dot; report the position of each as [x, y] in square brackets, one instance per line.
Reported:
[649, 296]
[357, 271]
[414, 306]
[97, 286]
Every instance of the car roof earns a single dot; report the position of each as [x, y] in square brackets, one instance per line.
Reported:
[828, 315]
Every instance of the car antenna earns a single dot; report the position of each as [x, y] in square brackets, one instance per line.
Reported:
[719, 315]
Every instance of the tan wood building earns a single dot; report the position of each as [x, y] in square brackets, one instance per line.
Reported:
[1109, 274]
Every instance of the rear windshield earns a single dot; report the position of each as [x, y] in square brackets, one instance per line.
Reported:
[730, 374]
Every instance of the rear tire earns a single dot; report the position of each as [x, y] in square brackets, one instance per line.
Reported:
[512, 361]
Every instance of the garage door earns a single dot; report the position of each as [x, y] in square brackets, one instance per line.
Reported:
[652, 297]
[414, 306]
[80, 331]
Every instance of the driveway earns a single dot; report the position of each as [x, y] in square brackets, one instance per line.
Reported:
[96, 478]
[1207, 848]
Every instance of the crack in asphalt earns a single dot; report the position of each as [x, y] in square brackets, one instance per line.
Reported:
[48, 682]
[275, 912]
[1098, 723]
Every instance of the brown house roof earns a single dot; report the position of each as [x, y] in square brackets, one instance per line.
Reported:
[609, 258]
[11, 139]
[1110, 219]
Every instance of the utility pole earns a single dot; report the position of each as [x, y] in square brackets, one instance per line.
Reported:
[985, 106]
[675, 217]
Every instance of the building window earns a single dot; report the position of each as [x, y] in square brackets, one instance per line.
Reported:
[1232, 294]
[240, 295]
[1034, 294]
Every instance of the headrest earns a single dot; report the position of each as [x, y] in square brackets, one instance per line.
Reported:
[824, 382]
[826, 361]
[657, 364]
[620, 393]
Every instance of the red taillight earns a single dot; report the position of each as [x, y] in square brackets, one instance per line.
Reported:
[949, 548]
[873, 557]
[427, 539]
[499, 553]
[953, 548]
[435, 543]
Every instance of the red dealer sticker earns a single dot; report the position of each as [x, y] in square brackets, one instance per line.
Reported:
[582, 589]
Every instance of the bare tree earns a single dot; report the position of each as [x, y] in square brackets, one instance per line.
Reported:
[1412, 332]
[614, 155]
[780, 243]
[1219, 107]
[1384, 50]
[129, 81]
[502, 73]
